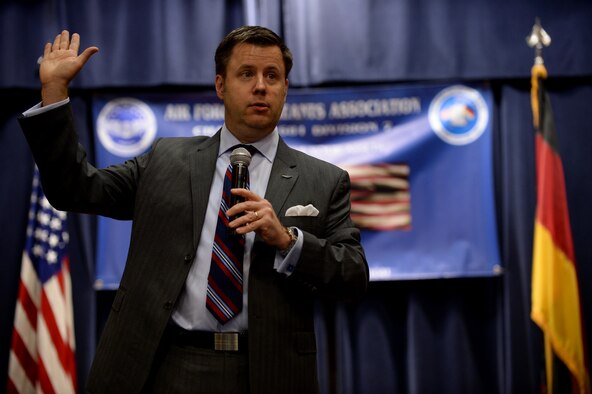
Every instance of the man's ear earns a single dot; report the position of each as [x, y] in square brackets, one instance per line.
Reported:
[286, 90]
[220, 86]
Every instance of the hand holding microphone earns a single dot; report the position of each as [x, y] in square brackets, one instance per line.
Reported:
[240, 158]
[261, 215]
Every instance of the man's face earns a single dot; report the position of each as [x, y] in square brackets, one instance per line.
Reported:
[254, 91]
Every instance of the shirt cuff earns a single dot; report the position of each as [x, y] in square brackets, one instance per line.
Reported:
[286, 265]
[38, 109]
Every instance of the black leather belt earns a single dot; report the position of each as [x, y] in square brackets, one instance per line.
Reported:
[221, 341]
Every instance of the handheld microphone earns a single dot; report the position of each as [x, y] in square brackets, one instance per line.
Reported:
[240, 158]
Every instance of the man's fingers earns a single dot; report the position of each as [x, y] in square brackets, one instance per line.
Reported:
[61, 41]
[64, 40]
[56, 42]
[75, 43]
[47, 49]
[88, 52]
[246, 193]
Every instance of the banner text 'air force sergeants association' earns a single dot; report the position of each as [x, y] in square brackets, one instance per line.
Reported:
[419, 158]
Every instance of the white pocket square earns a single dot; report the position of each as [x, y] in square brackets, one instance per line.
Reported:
[299, 210]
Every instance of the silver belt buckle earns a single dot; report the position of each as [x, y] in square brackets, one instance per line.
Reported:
[226, 341]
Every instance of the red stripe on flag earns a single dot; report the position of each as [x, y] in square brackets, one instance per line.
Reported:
[10, 387]
[552, 211]
[63, 350]
[44, 380]
[27, 304]
[26, 359]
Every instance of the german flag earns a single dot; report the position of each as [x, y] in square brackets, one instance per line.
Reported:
[555, 297]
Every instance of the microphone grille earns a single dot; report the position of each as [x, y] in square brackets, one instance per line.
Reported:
[240, 155]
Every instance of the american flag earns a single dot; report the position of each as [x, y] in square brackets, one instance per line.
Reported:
[380, 197]
[42, 353]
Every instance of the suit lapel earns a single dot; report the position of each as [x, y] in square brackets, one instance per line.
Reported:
[282, 178]
[203, 166]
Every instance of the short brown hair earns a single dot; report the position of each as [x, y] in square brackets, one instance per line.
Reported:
[256, 35]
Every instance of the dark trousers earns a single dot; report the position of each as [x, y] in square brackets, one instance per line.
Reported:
[184, 368]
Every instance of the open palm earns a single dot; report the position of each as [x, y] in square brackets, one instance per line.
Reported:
[61, 62]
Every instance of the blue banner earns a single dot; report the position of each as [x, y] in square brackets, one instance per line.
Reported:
[419, 158]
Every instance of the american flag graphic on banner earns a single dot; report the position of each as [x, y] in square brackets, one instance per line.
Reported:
[380, 197]
[42, 353]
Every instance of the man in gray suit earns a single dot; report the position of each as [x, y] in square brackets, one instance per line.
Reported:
[299, 240]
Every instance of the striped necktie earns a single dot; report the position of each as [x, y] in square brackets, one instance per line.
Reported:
[225, 281]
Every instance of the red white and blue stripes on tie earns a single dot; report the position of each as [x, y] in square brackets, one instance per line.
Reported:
[225, 281]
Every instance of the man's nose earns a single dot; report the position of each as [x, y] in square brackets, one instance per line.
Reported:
[260, 83]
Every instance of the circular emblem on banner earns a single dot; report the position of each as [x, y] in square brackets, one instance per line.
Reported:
[458, 115]
[126, 127]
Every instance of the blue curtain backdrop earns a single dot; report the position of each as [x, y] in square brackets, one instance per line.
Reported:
[446, 336]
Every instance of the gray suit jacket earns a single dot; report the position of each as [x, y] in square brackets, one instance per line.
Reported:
[165, 192]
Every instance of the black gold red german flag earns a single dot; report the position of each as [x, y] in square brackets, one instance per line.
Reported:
[555, 297]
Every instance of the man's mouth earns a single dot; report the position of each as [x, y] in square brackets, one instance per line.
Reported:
[259, 106]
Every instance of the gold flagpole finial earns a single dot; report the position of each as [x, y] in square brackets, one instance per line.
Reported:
[538, 39]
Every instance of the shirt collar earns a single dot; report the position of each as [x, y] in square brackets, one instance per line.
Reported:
[267, 146]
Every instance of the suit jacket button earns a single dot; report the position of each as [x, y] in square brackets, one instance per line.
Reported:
[188, 258]
[168, 305]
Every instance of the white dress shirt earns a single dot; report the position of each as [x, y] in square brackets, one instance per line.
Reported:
[191, 312]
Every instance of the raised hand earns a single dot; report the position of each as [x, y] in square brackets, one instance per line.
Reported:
[60, 64]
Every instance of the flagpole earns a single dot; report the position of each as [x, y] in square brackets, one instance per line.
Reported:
[538, 39]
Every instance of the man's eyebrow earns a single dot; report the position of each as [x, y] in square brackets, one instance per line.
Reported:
[267, 67]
